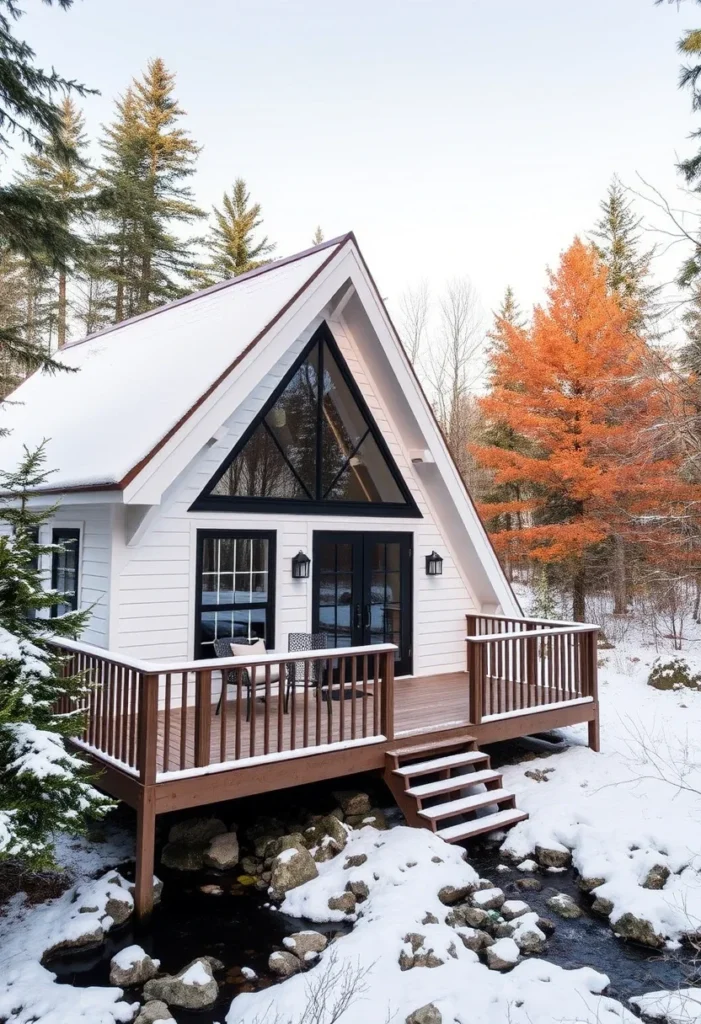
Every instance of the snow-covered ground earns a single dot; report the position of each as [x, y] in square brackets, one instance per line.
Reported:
[632, 807]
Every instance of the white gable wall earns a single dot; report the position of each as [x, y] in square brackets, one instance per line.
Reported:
[154, 585]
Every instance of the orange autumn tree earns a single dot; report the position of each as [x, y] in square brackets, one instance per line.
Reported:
[573, 387]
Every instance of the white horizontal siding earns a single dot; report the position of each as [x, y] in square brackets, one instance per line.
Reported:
[95, 524]
[156, 584]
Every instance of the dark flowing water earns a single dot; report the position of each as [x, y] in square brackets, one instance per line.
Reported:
[240, 930]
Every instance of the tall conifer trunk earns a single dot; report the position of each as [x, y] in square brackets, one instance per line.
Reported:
[620, 589]
[62, 308]
[579, 590]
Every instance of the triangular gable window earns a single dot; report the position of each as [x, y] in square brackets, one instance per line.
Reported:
[314, 447]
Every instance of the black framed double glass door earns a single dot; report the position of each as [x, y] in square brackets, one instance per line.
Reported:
[362, 590]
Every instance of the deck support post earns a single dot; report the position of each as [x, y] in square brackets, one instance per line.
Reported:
[145, 852]
[146, 806]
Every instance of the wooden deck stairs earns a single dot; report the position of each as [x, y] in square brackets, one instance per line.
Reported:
[450, 788]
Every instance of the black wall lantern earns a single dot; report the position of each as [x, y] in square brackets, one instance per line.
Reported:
[434, 564]
[300, 566]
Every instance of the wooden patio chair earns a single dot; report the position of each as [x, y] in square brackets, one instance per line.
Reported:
[222, 649]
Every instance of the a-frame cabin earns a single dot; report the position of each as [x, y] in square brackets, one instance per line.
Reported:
[258, 462]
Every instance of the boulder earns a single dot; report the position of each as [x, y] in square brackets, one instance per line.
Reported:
[503, 955]
[132, 966]
[514, 908]
[474, 917]
[153, 1011]
[325, 831]
[196, 830]
[375, 817]
[353, 802]
[301, 943]
[529, 884]
[356, 861]
[417, 955]
[602, 906]
[503, 930]
[284, 964]
[451, 894]
[222, 852]
[564, 906]
[119, 908]
[92, 936]
[656, 877]
[475, 939]
[192, 988]
[488, 899]
[528, 865]
[587, 884]
[427, 1014]
[184, 856]
[637, 929]
[546, 925]
[530, 940]
[429, 918]
[345, 903]
[556, 856]
[292, 867]
[359, 889]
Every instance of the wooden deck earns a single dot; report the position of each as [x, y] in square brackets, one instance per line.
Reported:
[153, 732]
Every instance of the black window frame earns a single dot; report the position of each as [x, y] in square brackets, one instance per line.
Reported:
[269, 605]
[207, 502]
[61, 535]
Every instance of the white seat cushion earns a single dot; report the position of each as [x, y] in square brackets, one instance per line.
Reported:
[253, 651]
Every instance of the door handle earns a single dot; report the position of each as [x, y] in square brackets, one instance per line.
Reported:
[357, 617]
[367, 616]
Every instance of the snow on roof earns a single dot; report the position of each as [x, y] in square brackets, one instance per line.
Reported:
[137, 380]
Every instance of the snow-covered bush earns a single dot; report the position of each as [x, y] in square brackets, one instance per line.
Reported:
[44, 787]
[672, 673]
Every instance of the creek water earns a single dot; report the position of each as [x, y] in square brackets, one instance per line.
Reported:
[240, 929]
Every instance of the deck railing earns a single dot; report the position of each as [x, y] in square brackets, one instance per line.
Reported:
[518, 664]
[156, 719]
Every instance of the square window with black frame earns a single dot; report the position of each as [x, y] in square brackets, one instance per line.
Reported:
[64, 569]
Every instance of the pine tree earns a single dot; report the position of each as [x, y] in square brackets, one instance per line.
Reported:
[45, 788]
[148, 158]
[232, 244]
[617, 238]
[574, 386]
[318, 236]
[59, 172]
[32, 222]
[499, 434]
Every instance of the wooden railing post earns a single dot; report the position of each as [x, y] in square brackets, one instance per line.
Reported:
[475, 667]
[532, 664]
[471, 630]
[592, 690]
[203, 717]
[148, 728]
[387, 690]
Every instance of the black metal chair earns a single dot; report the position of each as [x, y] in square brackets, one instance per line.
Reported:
[222, 649]
[295, 669]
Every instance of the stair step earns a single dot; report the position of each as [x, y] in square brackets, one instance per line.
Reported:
[428, 748]
[489, 823]
[439, 764]
[427, 789]
[466, 804]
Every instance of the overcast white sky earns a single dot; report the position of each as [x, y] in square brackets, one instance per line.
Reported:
[453, 136]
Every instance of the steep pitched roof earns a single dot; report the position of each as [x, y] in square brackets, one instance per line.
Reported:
[140, 380]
